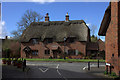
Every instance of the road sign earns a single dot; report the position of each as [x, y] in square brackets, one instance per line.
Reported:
[108, 64]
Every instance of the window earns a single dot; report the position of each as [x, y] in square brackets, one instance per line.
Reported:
[35, 52]
[71, 40]
[71, 52]
[112, 55]
[47, 52]
[35, 41]
[48, 40]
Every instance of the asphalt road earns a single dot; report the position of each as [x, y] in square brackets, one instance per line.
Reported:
[59, 70]
[64, 70]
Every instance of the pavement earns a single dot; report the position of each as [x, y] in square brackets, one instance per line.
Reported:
[56, 70]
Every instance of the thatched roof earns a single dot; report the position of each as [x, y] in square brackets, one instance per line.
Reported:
[56, 30]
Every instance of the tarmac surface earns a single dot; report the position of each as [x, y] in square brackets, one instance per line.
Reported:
[56, 70]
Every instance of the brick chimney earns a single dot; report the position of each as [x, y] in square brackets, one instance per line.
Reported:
[67, 17]
[47, 18]
[6, 37]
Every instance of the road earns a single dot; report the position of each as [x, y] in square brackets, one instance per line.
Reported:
[62, 70]
[59, 70]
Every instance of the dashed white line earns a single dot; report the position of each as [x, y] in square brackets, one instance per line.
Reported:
[84, 68]
[57, 66]
[58, 72]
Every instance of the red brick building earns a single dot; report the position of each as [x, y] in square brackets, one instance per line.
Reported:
[110, 27]
[54, 38]
[93, 48]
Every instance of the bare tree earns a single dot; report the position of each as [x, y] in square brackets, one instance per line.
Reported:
[93, 29]
[29, 17]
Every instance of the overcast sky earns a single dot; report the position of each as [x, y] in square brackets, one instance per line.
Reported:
[91, 12]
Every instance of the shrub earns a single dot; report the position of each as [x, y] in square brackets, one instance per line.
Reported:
[66, 57]
[60, 57]
[3, 58]
[113, 74]
[105, 72]
[19, 61]
[80, 53]
[50, 57]
[90, 57]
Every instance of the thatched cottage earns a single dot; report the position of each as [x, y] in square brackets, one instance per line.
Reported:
[55, 39]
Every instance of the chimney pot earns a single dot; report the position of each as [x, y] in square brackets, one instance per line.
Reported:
[67, 17]
[47, 17]
[6, 37]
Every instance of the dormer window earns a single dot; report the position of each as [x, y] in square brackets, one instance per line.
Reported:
[48, 40]
[35, 41]
[71, 40]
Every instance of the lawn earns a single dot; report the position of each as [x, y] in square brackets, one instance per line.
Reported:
[67, 60]
[61, 60]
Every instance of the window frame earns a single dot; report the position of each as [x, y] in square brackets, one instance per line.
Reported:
[35, 41]
[73, 51]
[47, 53]
[71, 39]
[35, 52]
[48, 40]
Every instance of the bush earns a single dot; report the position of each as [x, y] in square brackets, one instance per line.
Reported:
[105, 72]
[60, 57]
[90, 57]
[19, 61]
[3, 58]
[7, 52]
[50, 57]
[80, 53]
[66, 58]
[113, 74]
[86, 57]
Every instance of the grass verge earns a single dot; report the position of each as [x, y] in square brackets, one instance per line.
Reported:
[60, 60]
[67, 60]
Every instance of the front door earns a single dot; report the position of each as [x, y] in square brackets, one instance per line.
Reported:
[55, 54]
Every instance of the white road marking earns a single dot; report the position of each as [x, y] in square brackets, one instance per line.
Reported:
[93, 65]
[84, 68]
[57, 66]
[58, 72]
[43, 70]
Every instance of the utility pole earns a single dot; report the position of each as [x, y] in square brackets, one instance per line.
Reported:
[64, 47]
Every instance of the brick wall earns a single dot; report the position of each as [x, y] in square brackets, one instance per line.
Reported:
[41, 47]
[112, 38]
[119, 36]
[101, 45]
